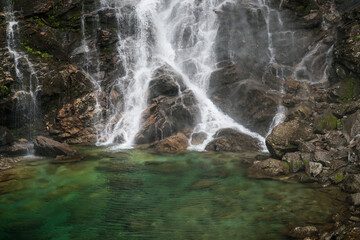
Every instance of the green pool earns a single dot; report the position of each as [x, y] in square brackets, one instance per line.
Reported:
[141, 195]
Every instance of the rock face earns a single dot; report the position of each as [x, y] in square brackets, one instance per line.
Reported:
[47, 147]
[230, 140]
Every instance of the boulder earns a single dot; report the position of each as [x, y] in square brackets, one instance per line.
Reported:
[355, 199]
[351, 183]
[287, 136]
[171, 108]
[230, 140]
[351, 126]
[268, 168]
[295, 161]
[335, 139]
[6, 138]
[198, 138]
[165, 82]
[303, 232]
[313, 169]
[324, 157]
[178, 142]
[47, 147]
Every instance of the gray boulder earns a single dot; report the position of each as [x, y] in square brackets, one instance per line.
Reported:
[50, 148]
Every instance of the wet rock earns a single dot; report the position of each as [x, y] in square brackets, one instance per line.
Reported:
[227, 75]
[169, 111]
[303, 232]
[198, 138]
[291, 85]
[166, 82]
[179, 142]
[16, 150]
[286, 137]
[295, 161]
[248, 102]
[6, 137]
[351, 183]
[47, 147]
[230, 140]
[268, 168]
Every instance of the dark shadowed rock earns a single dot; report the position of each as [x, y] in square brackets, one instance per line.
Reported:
[286, 137]
[355, 199]
[351, 183]
[248, 102]
[268, 168]
[47, 147]
[169, 111]
[6, 138]
[166, 82]
[230, 140]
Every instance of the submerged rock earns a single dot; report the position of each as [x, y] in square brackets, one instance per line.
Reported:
[47, 147]
[268, 168]
[230, 140]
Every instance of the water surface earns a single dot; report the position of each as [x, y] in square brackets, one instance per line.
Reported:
[142, 195]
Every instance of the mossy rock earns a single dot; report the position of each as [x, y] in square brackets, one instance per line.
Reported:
[328, 122]
[349, 90]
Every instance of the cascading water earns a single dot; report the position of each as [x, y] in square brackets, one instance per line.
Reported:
[154, 33]
[27, 82]
[170, 32]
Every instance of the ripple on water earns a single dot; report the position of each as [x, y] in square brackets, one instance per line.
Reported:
[141, 195]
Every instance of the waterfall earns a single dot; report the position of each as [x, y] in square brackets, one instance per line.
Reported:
[27, 82]
[179, 33]
[170, 32]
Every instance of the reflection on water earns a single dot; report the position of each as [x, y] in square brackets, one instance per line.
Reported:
[139, 195]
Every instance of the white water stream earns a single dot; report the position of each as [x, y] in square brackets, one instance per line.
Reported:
[27, 86]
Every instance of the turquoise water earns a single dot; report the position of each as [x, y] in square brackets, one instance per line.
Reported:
[141, 195]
